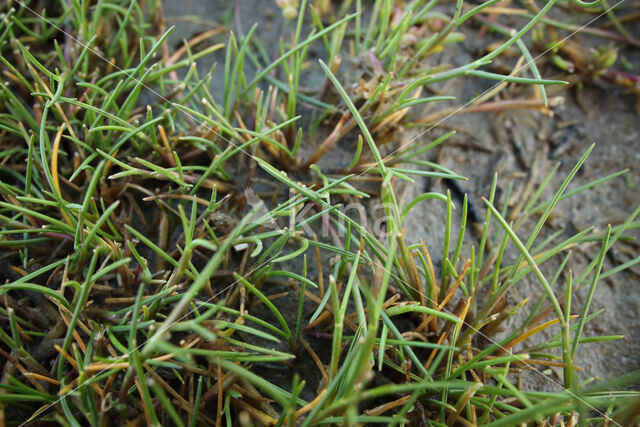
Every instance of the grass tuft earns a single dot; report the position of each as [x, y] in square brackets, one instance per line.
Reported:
[182, 248]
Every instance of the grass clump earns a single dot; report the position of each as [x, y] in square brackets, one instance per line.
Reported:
[187, 259]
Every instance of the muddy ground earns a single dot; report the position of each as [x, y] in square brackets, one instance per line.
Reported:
[521, 146]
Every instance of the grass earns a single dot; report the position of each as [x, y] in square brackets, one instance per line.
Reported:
[188, 260]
